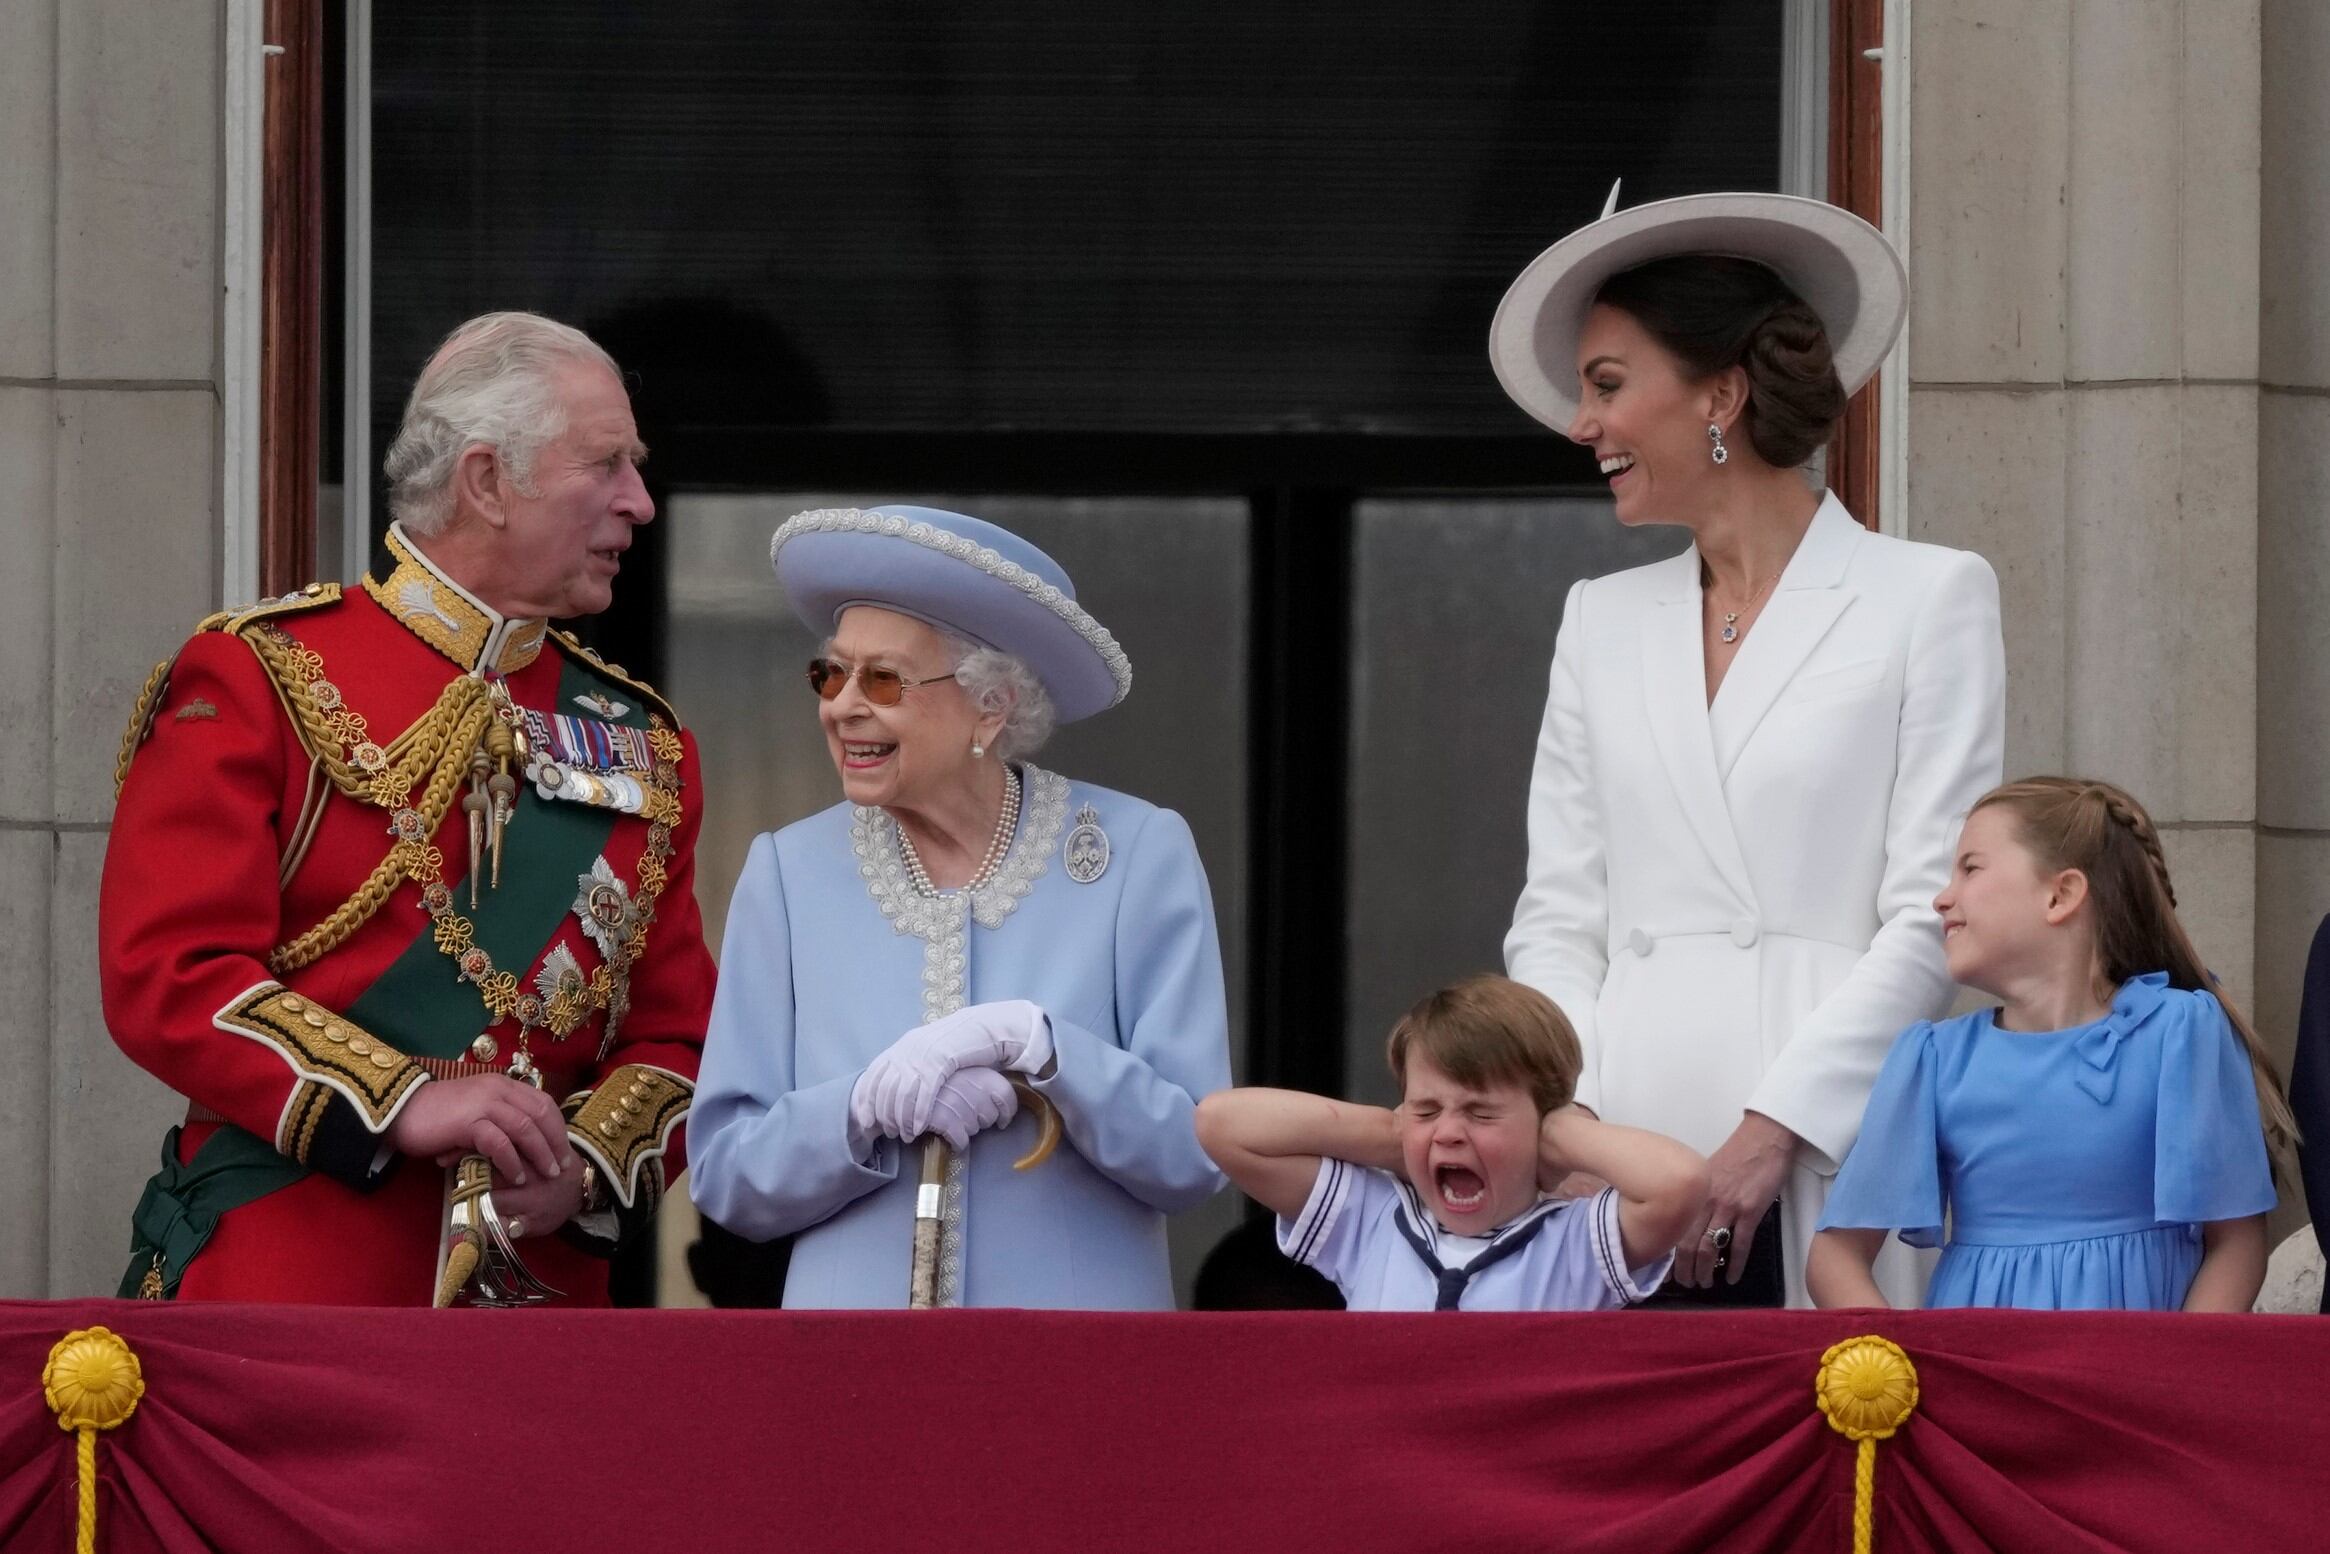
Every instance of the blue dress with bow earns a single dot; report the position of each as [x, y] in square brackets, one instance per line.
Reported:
[2074, 1168]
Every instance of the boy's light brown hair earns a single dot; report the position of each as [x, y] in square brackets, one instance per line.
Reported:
[1490, 1030]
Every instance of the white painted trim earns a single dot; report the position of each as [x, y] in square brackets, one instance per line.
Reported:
[1804, 98]
[241, 305]
[1893, 395]
[356, 459]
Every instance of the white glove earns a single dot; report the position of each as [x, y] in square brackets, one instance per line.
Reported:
[893, 1096]
[972, 1101]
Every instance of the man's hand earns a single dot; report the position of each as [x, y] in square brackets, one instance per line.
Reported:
[515, 1126]
[540, 1207]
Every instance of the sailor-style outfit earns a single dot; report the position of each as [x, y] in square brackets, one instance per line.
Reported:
[1369, 1232]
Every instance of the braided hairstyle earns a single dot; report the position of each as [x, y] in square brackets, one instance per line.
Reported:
[2098, 829]
[1711, 312]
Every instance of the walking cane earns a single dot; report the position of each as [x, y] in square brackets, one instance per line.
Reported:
[922, 1285]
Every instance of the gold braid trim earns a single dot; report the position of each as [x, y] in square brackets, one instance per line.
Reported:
[314, 596]
[626, 1122]
[141, 719]
[325, 1048]
[433, 754]
[616, 672]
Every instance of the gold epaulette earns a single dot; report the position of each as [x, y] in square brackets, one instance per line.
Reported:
[141, 719]
[617, 673]
[314, 596]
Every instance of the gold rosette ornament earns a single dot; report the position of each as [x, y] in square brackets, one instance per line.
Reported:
[92, 1382]
[1867, 1389]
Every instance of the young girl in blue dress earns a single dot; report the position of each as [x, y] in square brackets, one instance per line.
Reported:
[2099, 1139]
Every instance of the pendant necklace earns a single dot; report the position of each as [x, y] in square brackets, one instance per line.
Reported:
[1730, 631]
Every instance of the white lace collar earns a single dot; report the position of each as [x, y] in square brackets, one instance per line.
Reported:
[873, 837]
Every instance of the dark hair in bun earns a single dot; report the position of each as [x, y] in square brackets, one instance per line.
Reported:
[1712, 312]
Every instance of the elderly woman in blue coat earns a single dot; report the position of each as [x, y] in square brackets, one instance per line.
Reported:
[963, 919]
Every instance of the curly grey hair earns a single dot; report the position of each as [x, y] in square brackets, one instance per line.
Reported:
[997, 682]
[490, 383]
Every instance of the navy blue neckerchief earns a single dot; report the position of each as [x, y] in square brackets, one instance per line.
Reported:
[1507, 1240]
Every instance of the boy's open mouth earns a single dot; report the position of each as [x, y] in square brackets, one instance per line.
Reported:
[1460, 1189]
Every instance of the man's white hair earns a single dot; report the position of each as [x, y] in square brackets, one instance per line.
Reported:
[490, 383]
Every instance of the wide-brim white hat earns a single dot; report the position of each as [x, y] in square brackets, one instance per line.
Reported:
[961, 574]
[1841, 266]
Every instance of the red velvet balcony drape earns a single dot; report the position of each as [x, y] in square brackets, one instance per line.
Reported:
[292, 1428]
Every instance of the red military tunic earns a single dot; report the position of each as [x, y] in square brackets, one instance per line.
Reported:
[226, 975]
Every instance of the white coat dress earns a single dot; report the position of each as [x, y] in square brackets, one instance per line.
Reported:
[1733, 903]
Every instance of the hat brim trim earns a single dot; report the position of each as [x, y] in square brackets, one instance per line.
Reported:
[1844, 269]
[1018, 613]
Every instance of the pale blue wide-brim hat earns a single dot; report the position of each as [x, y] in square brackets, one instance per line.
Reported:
[963, 575]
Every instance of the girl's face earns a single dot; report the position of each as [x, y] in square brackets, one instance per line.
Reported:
[1645, 419]
[2001, 905]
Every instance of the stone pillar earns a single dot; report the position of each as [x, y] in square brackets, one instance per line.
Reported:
[2084, 396]
[2293, 627]
[109, 412]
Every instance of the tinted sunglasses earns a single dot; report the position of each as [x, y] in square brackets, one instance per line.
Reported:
[883, 687]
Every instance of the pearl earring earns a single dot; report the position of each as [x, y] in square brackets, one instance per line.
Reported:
[1719, 453]
[977, 750]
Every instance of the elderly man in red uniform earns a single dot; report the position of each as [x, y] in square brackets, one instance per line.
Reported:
[399, 874]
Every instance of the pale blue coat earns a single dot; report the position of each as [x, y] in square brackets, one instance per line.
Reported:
[815, 980]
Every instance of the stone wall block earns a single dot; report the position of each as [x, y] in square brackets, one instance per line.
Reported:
[2122, 309]
[1990, 149]
[137, 492]
[2293, 627]
[2222, 148]
[2214, 870]
[28, 229]
[1986, 474]
[138, 190]
[2125, 632]
[2209, 589]
[24, 1053]
[115, 1112]
[27, 491]
[2293, 323]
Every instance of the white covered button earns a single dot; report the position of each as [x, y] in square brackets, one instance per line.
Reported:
[1744, 931]
[1640, 941]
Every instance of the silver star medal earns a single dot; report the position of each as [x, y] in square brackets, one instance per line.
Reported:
[608, 915]
[604, 904]
[1086, 850]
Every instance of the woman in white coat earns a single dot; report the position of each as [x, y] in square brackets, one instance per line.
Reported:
[1755, 756]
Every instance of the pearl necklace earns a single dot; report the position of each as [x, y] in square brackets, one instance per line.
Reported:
[1005, 824]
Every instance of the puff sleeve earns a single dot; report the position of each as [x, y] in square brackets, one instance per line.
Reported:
[1892, 1179]
[2209, 1161]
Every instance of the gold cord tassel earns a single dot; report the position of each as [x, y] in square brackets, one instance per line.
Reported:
[92, 1382]
[1867, 1389]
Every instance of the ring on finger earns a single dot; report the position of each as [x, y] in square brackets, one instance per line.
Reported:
[1720, 1238]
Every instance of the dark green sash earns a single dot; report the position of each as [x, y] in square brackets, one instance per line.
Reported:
[183, 1204]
